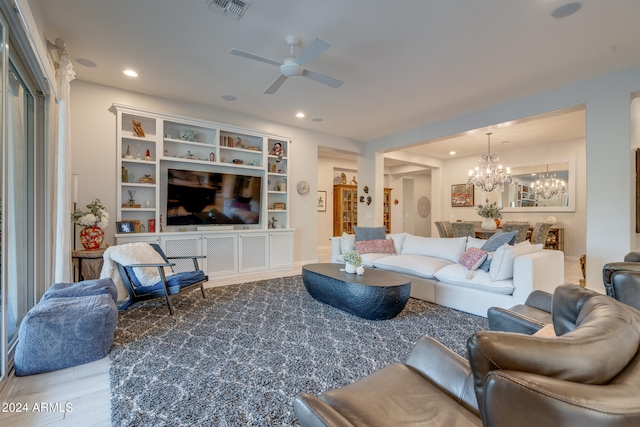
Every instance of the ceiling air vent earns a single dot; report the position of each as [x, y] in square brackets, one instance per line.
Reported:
[231, 8]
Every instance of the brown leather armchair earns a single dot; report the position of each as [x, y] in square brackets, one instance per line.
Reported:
[622, 279]
[589, 375]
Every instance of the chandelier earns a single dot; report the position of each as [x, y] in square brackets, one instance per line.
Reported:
[548, 186]
[489, 174]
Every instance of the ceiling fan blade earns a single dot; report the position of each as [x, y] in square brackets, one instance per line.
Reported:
[321, 78]
[254, 57]
[314, 49]
[275, 85]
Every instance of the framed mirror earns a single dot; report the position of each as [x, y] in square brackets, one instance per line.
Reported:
[540, 187]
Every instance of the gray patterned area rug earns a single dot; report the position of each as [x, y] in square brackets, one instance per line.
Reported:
[239, 357]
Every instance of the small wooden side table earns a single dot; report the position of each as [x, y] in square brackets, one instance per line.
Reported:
[88, 264]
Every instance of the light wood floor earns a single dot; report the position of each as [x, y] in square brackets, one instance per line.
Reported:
[85, 389]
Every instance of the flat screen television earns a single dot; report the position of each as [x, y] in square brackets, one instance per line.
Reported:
[212, 198]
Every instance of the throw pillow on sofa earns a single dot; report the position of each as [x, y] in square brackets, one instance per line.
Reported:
[472, 258]
[449, 249]
[379, 246]
[347, 243]
[370, 233]
[494, 242]
[502, 263]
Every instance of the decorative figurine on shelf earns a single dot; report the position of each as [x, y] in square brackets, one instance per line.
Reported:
[272, 223]
[128, 155]
[277, 151]
[354, 180]
[147, 155]
[137, 128]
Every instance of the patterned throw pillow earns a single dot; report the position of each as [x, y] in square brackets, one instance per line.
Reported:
[472, 258]
[379, 246]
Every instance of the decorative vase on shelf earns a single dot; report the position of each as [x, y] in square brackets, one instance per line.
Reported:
[488, 224]
[350, 268]
[91, 237]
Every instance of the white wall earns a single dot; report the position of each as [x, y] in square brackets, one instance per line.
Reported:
[404, 215]
[93, 125]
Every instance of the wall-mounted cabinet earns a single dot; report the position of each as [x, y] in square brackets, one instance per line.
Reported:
[150, 144]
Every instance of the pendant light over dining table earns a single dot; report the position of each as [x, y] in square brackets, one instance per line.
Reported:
[489, 175]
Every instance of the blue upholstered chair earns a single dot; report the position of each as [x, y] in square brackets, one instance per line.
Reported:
[166, 286]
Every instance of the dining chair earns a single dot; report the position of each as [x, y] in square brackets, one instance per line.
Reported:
[540, 232]
[520, 227]
[462, 229]
[444, 228]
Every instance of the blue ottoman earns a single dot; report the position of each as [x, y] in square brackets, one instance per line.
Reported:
[81, 289]
[59, 333]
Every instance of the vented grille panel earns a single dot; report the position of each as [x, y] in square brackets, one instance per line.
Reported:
[221, 254]
[254, 252]
[231, 8]
[182, 247]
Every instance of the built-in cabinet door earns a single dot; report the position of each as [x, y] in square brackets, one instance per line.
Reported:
[281, 250]
[221, 251]
[181, 246]
[253, 252]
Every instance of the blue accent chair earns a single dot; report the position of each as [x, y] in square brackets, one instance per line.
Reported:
[167, 286]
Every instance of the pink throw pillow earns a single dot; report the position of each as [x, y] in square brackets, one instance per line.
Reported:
[472, 258]
[381, 246]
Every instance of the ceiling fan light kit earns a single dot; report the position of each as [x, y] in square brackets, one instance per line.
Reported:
[294, 66]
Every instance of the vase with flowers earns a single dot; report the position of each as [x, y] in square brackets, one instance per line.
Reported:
[352, 260]
[489, 211]
[94, 220]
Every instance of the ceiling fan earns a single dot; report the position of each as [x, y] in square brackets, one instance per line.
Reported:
[293, 67]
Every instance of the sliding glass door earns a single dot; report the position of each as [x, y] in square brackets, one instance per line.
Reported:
[19, 201]
[21, 192]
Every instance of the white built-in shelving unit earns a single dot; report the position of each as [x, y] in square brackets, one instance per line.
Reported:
[175, 142]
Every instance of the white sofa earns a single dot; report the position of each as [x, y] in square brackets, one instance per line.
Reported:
[436, 275]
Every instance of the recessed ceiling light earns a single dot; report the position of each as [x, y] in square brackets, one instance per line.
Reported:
[86, 62]
[317, 119]
[229, 98]
[452, 153]
[300, 115]
[130, 73]
[566, 10]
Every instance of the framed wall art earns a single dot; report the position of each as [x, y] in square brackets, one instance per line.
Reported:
[461, 195]
[322, 201]
[125, 226]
